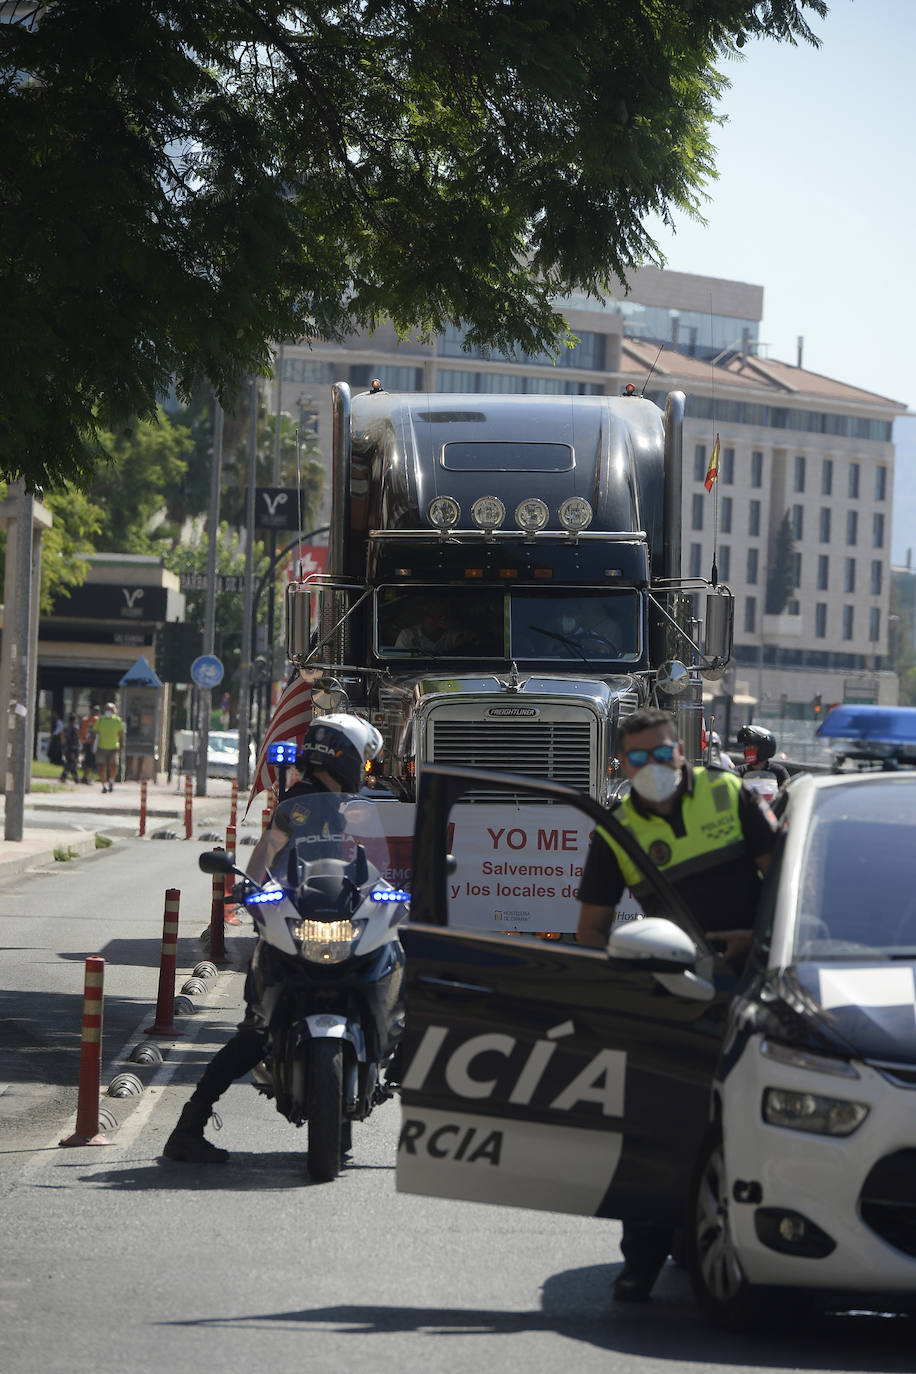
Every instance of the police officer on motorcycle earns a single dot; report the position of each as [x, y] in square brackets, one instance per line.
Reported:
[759, 746]
[333, 758]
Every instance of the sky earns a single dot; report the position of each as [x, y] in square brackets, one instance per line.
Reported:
[816, 202]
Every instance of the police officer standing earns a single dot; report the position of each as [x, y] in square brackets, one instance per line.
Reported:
[711, 837]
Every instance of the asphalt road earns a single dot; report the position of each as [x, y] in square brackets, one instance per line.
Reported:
[114, 1259]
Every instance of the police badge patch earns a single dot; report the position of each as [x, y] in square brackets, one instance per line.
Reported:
[659, 852]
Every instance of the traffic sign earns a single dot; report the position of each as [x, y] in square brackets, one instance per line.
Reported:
[207, 671]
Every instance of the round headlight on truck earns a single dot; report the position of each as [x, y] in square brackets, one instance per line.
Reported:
[575, 514]
[444, 512]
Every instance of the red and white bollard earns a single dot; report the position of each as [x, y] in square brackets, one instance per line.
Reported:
[165, 1001]
[217, 916]
[265, 818]
[143, 786]
[87, 1109]
[234, 802]
[230, 917]
[188, 808]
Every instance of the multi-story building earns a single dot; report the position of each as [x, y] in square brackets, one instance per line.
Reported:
[793, 444]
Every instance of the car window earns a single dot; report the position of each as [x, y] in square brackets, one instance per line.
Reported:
[858, 885]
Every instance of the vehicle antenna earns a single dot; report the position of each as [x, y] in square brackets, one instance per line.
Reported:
[652, 369]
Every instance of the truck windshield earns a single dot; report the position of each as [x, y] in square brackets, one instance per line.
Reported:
[532, 624]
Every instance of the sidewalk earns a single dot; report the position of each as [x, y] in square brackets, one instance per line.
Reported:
[69, 818]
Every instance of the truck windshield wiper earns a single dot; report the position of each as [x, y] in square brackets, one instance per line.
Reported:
[561, 639]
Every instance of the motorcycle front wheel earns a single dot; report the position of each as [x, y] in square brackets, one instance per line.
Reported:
[325, 1109]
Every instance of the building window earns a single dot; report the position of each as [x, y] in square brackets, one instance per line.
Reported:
[725, 561]
[796, 570]
[827, 477]
[753, 518]
[697, 520]
[752, 561]
[750, 614]
[877, 570]
[820, 620]
[757, 468]
[852, 527]
[799, 472]
[725, 515]
[854, 481]
[874, 625]
[824, 522]
[881, 484]
[877, 531]
[700, 465]
[847, 622]
[696, 559]
[849, 575]
[798, 521]
[793, 608]
[728, 467]
[823, 572]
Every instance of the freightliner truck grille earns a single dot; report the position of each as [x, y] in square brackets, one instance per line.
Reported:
[562, 751]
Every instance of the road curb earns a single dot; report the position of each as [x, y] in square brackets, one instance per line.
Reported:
[78, 845]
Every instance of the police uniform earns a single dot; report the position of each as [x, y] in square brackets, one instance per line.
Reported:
[706, 848]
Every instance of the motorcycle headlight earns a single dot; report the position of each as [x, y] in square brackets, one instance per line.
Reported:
[813, 1112]
[327, 942]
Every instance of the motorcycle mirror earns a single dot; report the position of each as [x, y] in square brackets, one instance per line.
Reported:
[215, 861]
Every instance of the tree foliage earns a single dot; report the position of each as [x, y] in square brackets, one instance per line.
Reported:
[187, 180]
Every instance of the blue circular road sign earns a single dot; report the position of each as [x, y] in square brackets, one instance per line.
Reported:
[207, 671]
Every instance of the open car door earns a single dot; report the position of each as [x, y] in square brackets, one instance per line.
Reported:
[541, 1074]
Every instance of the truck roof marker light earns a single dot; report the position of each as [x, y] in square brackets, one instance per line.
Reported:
[612, 572]
[473, 572]
[575, 514]
[444, 512]
[543, 573]
[488, 513]
[531, 514]
[403, 572]
[508, 572]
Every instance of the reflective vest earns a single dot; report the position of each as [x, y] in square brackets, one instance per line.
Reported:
[712, 832]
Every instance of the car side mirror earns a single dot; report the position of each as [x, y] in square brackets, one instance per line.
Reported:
[655, 938]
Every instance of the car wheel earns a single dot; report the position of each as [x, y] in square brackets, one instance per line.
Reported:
[720, 1288]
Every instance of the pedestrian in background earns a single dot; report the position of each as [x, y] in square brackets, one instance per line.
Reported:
[109, 740]
[55, 751]
[87, 736]
[70, 749]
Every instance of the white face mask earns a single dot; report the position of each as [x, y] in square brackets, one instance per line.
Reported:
[656, 782]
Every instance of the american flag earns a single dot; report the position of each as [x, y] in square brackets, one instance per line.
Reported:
[290, 720]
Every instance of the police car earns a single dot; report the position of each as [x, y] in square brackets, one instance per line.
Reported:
[772, 1115]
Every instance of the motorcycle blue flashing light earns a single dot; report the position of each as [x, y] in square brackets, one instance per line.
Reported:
[393, 896]
[284, 751]
[274, 894]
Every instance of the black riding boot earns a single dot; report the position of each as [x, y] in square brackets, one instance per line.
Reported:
[238, 1056]
[187, 1142]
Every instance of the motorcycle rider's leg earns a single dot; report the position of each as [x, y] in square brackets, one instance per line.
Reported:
[237, 1057]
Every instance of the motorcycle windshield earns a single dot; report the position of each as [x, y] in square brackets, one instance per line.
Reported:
[329, 836]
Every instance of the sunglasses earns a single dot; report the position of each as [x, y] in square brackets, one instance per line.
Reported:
[662, 753]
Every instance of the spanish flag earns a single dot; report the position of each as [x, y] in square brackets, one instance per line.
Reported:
[712, 471]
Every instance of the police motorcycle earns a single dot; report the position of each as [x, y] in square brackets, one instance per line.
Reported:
[327, 970]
